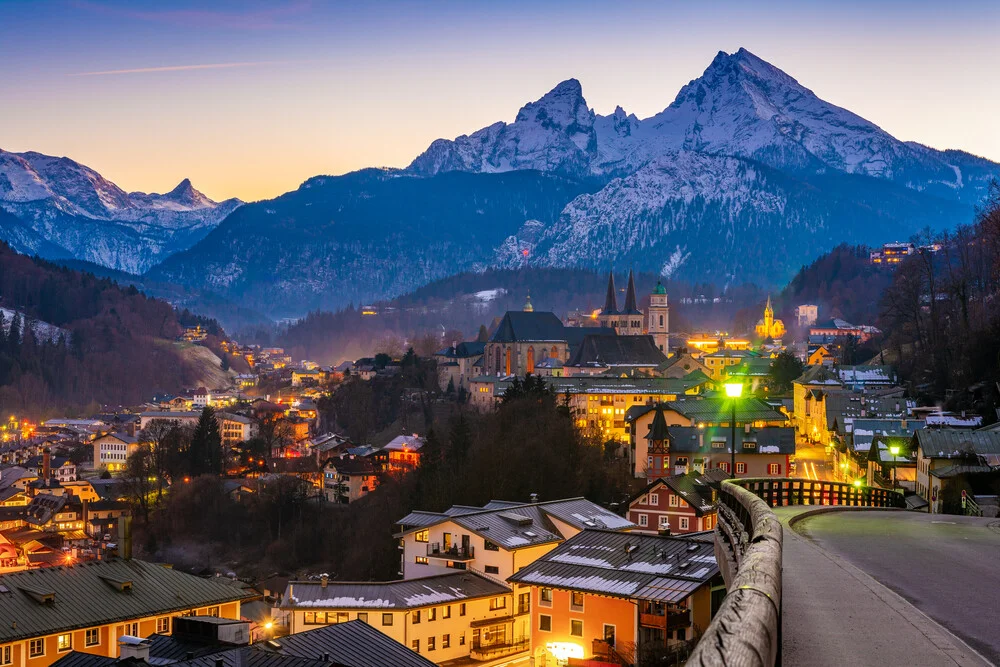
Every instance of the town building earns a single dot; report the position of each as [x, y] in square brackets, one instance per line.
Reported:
[444, 617]
[652, 454]
[235, 429]
[401, 454]
[112, 450]
[497, 539]
[720, 362]
[891, 253]
[806, 314]
[678, 504]
[175, 417]
[621, 356]
[348, 478]
[946, 455]
[90, 606]
[620, 598]
[835, 329]
[460, 362]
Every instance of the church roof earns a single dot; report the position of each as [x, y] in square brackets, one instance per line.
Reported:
[611, 300]
[631, 306]
[611, 350]
[521, 326]
[658, 428]
[659, 289]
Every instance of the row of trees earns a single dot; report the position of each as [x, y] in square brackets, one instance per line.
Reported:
[942, 316]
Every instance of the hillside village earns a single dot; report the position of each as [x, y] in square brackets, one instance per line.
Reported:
[554, 578]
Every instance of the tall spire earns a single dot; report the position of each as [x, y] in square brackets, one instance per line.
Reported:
[631, 306]
[611, 301]
[768, 308]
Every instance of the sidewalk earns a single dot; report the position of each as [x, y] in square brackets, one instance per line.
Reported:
[835, 614]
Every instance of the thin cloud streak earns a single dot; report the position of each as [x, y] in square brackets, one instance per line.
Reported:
[249, 19]
[185, 68]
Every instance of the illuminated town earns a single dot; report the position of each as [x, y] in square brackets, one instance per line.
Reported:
[441, 368]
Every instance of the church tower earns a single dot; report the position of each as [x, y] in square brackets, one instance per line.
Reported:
[658, 318]
[608, 317]
[630, 317]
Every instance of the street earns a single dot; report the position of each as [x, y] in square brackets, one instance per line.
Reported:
[946, 566]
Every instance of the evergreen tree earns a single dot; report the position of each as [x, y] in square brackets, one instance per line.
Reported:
[206, 445]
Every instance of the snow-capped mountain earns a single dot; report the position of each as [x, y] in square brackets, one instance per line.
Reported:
[743, 150]
[745, 176]
[70, 210]
[554, 134]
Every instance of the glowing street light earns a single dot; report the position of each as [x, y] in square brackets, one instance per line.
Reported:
[857, 483]
[894, 450]
[733, 390]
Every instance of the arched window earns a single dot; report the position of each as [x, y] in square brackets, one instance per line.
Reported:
[661, 320]
[555, 352]
[508, 361]
[531, 360]
[496, 368]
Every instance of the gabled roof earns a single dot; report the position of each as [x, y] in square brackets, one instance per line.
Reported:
[819, 375]
[768, 440]
[400, 594]
[352, 644]
[625, 565]
[462, 350]
[514, 526]
[949, 443]
[658, 427]
[866, 430]
[352, 465]
[521, 326]
[90, 594]
[694, 488]
[612, 350]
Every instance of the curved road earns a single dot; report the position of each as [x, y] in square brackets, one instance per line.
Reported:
[948, 567]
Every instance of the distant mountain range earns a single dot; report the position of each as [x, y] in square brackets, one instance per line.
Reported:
[746, 176]
[66, 210]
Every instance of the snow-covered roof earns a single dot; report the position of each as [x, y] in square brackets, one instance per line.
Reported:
[400, 594]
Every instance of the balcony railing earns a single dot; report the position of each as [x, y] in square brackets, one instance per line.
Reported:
[454, 552]
[490, 651]
[669, 621]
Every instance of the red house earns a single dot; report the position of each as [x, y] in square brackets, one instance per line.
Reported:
[679, 504]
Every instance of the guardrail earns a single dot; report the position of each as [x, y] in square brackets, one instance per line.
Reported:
[784, 491]
[746, 630]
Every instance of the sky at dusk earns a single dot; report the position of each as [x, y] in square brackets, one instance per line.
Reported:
[249, 98]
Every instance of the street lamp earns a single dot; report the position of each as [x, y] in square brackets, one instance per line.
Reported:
[894, 450]
[733, 390]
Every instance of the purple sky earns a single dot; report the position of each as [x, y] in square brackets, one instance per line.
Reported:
[250, 98]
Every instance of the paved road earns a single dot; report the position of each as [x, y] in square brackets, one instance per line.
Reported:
[948, 567]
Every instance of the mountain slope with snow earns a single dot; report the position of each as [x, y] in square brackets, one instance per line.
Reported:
[69, 210]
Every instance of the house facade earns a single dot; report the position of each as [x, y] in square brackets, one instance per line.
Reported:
[679, 504]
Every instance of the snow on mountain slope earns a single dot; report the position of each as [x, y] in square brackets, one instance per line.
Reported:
[555, 133]
[741, 106]
[43, 331]
[75, 212]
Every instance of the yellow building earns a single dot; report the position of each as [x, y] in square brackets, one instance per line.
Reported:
[770, 327]
[821, 356]
[719, 362]
[459, 615]
[809, 394]
[88, 607]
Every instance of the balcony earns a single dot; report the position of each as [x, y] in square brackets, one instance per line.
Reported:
[454, 552]
[499, 650]
[670, 621]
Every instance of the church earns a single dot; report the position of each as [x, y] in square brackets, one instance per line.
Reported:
[770, 327]
[525, 341]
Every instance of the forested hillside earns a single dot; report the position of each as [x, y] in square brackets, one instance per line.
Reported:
[71, 340]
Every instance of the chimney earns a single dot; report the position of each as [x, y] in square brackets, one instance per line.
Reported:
[324, 579]
[533, 498]
[133, 647]
[125, 537]
[46, 464]
[219, 662]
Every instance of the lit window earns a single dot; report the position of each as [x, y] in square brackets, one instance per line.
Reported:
[576, 628]
[741, 468]
[545, 623]
[422, 536]
[421, 560]
[774, 469]
[432, 614]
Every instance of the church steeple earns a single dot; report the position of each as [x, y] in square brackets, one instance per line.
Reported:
[528, 308]
[611, 300]
[631, 303]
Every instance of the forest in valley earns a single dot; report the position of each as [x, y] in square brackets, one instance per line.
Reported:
[72, 342]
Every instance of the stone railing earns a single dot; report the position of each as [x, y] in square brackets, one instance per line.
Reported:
[746, 631]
